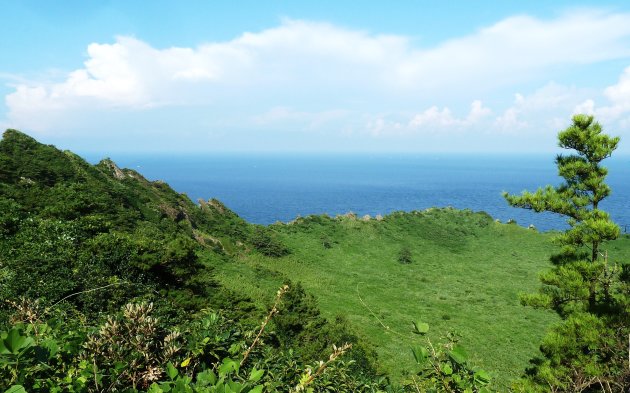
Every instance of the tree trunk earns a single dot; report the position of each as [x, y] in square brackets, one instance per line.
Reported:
[594, 253]
[593, 284]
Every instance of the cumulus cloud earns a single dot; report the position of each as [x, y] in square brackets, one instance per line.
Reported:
[509, 120]
[586, 107]
[302, 64]
[432, 119]
[542, 111]
[619, 94]
[617, 107]
[618, 97]
[131, 74]
[477, 112]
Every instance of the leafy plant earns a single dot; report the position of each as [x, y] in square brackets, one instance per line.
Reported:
[445, 367]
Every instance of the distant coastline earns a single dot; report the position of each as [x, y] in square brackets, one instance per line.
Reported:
[266, 188]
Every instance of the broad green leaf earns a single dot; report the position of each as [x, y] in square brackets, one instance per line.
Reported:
[166, 388]
[119, 366]
[51, 346]
[235, 386]
[421, 354]
[155, 388]
[3, 349]
[458, 354]
[15, 341]
[257, 389]
[447, 369]
[16, 389]
[228, 366]
[207, 377]
[171, 371]
[420, 327]
[234, 349]
[182, 386]
[255, 375]
[482, 377]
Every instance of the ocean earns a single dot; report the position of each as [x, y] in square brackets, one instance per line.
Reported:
[265, 188]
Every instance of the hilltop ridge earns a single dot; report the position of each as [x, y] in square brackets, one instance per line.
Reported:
[110, 224]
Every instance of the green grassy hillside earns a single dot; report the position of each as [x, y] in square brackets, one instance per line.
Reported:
[83, 240]
[465, 275]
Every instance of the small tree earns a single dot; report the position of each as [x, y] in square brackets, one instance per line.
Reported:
[404, 256]
[584, 352]
[579, 197]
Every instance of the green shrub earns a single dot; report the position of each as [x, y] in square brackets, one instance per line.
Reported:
[267, 243]
[404, 256]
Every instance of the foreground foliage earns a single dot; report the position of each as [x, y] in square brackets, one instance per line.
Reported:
[133, 350]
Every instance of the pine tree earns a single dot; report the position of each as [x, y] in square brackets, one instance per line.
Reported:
[585, 351]
[578, 199]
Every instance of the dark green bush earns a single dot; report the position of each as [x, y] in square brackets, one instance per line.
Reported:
[267, 243]
[404, 256]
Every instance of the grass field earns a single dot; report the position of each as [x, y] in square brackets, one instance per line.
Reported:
[465, 276]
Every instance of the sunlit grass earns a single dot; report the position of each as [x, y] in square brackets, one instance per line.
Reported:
[466, 275]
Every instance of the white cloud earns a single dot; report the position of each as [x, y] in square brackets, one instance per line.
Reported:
[380, 125]
[431, 120]
[477, 112]
[586, 107]
[434, 117]
[543, 111]
[312, 67]
[618, 96]
[520, 46]
[618, 102]
[509, 121]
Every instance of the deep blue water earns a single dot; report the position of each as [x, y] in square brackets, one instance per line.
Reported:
[268, 188]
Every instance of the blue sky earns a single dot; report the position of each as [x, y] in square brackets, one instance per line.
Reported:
[104, 77]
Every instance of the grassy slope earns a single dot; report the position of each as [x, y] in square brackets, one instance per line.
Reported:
[466, 275]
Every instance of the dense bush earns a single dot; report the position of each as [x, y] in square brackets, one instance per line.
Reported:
[404, 256]
[267, 243]
[132, 350]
